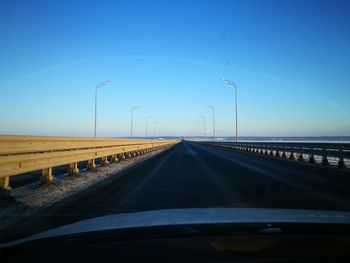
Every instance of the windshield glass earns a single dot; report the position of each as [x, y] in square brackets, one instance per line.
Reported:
[111, 107]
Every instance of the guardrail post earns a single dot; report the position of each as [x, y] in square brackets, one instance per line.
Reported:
[300, 157]
[46, 176]
[5, 184]
[271, 152]
[73, 169]
[341, 163]
[284, 156]
[311, 158]
[277, 154]
[291, 156]
[91, 166]
[324, 160]
[104, 161]
[114, 158]
[324, 157]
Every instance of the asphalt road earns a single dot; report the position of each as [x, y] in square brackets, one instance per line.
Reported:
[194, 175]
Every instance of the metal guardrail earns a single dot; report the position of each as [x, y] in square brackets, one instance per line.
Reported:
[21, 154]
[341, 151]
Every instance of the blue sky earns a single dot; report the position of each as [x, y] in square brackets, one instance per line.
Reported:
[290, 60]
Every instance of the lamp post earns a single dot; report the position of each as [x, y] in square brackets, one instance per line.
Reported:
[147, 124]
[104, 83]
[132, 118]
[154, 126]
[213, 110]
[203, 118]
[159, 132]
[199, 128]
[232, 83]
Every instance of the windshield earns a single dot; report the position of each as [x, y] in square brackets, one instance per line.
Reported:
[114, 107]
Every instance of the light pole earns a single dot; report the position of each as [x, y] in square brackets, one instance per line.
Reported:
[199, 128]
[159, 132]
[203, 118]
[104, 83]
[213, 110]
[154, 126]
[195, 130]
[132, 118]
[147, 125]
[232, 83]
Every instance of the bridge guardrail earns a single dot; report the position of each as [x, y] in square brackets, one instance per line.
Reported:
[21, 154]
[341, 151]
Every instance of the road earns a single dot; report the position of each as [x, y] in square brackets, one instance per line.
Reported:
[195, 175]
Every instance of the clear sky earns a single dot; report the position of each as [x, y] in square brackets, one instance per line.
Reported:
[290, 60]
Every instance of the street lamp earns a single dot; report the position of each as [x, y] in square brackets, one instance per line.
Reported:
[213, 110]
[147, 124]
[199, 128]
[232, 83]
[104, 83]
[159, 132]
[154, 126]
[203, 118]
[132, 118]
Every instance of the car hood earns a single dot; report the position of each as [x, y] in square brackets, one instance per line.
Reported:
[191, 216]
